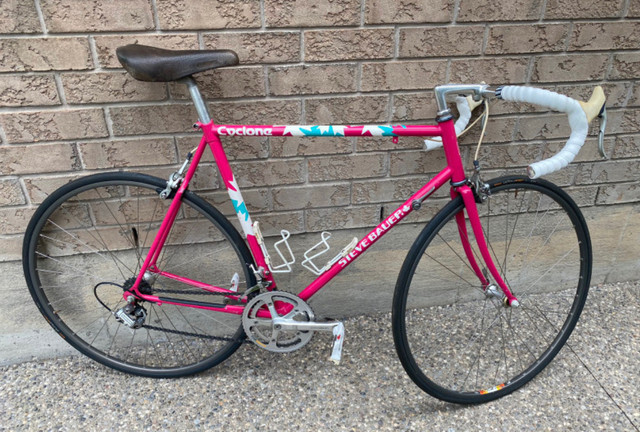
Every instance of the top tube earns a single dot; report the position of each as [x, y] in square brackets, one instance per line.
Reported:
[328, 130]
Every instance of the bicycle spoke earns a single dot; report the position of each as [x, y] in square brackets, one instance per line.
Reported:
[166, 267]
[552, 267]
[515, 224]
[481, 349]
[451, 271]
[82, 273]
[120, 212]
[169, 341]
[180, 336]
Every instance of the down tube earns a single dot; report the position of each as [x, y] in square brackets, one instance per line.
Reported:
[374, 235]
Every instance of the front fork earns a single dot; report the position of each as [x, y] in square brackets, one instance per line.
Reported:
[469, 199]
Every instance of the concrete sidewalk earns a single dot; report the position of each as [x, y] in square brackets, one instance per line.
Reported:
[256, 390]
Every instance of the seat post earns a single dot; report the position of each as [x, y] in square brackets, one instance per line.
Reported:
[196, 97]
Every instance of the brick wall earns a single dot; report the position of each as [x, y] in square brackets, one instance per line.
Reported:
[67, 108]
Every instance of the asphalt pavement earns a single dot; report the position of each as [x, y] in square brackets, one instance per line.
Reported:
[593, 384]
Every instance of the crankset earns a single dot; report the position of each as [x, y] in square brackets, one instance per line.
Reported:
[282, 322]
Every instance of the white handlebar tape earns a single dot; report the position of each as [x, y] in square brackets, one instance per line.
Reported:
[577, 121]
[465, 115]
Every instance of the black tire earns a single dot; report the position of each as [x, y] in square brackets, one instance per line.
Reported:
[460, 344]
[88, 239]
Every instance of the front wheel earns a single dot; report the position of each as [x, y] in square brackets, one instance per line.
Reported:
[85, 245]
[456, 339]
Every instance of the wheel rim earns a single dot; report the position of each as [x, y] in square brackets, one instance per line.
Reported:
[465, 345]
[99, 233]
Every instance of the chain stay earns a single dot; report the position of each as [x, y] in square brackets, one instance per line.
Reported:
[250, 290]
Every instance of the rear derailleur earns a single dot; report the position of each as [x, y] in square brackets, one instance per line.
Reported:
[132, 315]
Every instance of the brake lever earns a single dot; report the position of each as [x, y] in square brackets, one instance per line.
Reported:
[603, 123]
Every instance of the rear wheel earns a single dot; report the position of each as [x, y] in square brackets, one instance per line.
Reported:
[85, 245]
[456, 340]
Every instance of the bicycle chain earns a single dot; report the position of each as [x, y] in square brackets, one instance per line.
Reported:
[203, 336]
[179, 332]
[184, 333]
[189, 334]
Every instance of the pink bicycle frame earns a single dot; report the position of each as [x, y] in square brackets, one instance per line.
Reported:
[453, 173]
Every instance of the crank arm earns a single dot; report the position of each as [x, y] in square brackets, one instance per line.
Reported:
[289, 324]
[336, 327]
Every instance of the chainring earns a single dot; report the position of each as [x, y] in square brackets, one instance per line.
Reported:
[260, 329]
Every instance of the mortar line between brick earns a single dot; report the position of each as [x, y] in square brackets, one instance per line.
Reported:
[108, 121]
[485, 40]
[625, 8]
[530, 67]
[94, 54]
[387, 165]
[447, 73]
[154, 12]
[3, 137]
[567, 43]
[543, 11]
[303, 110]
[464, 57]
[609, 67]
[396, 42]
[263, 18]
[169, 32]
[374, 26]
[456, 11]
[362, 12]
[267, 89]
[629, 95]
[185, 102]
[83, 165]
[60, 89]
[25, 192]
[43, 25]
[78, 165]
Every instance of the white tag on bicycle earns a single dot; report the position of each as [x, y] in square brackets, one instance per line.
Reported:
[338, 339]
[235, 281]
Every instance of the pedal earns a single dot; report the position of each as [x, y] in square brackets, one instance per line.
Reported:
[338, 340]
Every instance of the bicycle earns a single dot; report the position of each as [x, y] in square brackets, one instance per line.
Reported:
[144, 276]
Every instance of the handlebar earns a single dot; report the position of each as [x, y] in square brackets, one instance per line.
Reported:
[580, 114]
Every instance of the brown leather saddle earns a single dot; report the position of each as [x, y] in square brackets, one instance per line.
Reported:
[147, 63]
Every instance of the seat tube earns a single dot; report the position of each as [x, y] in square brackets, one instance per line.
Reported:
[213, 140]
